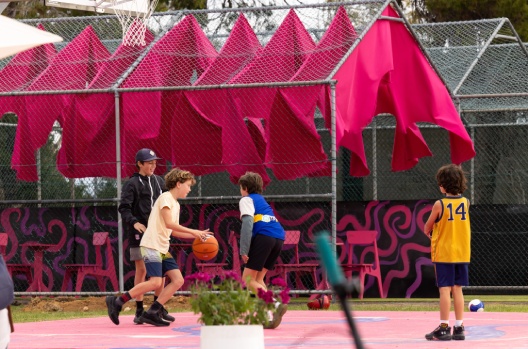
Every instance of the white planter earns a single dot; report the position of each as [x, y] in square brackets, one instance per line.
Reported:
[232, 337]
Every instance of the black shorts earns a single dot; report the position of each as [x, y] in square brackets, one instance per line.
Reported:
[263, 252]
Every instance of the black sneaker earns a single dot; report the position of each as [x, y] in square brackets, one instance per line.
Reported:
[137, 317]
[153, 319]
[113, 309]
[441, 333]
[277, 317]
[458, 333]
[165, 315]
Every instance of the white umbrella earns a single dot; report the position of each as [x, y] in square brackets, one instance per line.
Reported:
[16, 36]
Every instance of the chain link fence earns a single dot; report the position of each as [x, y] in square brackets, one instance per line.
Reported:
[82, 117]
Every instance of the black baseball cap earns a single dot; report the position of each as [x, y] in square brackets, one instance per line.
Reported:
[146, 154]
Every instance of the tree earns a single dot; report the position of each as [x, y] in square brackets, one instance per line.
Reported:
[462, 10]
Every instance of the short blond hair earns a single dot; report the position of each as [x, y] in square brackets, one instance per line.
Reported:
[176, 175]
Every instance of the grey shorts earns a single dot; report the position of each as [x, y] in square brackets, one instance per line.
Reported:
[157, 264]
[135, 254]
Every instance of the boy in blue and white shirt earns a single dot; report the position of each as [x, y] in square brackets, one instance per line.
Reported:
[261, 237]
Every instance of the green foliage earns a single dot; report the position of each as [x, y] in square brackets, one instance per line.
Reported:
[229, 303]
[171, 5]
[462, 10]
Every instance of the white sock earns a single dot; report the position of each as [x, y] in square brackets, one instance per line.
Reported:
[458, 323]
[444, 322]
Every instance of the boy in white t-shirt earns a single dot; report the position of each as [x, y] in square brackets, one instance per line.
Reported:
[163, 222]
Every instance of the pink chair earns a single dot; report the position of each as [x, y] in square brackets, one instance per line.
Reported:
[294, 265]
[15, 269]
[101, 273]
[219, 268]
[366, 237]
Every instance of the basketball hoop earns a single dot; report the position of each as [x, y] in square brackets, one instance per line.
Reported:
[133, 16]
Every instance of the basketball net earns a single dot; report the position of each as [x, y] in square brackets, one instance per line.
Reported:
[133, 16]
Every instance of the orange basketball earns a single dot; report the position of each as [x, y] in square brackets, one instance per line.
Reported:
[205, 250]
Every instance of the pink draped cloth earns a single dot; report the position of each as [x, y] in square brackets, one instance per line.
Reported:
[356, 92]
[20, 72]
[73, 67]
[387, 72]
[239, 49]
[283, 110]
[147, 117]
[25, 66]
[414, 93]
[226, 129]
[88, 138]
[239, 153]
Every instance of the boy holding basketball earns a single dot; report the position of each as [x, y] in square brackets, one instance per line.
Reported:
[137, 198]
[261, 237]
[448, 227]
[163, 222]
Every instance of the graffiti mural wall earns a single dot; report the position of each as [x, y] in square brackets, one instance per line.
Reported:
[67, 236]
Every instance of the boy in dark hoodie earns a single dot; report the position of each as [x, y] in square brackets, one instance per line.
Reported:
[138, 196]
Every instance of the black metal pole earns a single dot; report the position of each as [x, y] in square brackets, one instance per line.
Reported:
[341, 290]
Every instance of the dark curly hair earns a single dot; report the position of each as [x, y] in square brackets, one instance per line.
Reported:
[452, 178]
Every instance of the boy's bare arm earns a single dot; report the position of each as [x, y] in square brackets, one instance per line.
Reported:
[179, 230]
[435, 212]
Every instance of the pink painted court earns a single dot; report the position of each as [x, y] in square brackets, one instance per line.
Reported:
[299, 329]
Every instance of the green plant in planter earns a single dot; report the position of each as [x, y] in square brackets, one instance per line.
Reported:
[229, 302]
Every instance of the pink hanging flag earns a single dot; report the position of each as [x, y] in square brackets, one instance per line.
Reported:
[359, 79]
[388, 73]
[20, 72]
[71, 69]
[25, 66]
[294, 149]
[239, 49]
[330, 50]
[182, 55]
[415, 93]
[88, 138]
[200, 151]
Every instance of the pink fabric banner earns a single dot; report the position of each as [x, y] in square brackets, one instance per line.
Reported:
[74, 67]
[246, 128]
[147, 116]
[20, 72]
[186, 47]
[357, 89]
[273, 64]
[387, 73]
[330, 50]
[88, 138]
[414, 93]
[294, 148]
[239, 49]
[239, 152]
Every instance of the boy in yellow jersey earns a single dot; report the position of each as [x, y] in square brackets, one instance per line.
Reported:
[449, 230]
